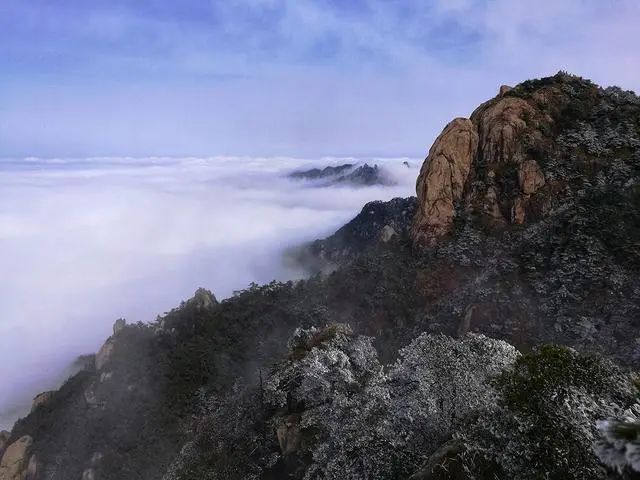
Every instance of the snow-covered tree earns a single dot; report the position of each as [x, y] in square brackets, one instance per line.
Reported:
[619, 445]
[330, 410]
[438, 380]
[322, 363]
[544, 425]
[357, 422]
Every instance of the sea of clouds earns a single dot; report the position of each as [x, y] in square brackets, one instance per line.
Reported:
[83, 242]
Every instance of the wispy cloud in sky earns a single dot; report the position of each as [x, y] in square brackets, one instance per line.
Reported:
[298, 77]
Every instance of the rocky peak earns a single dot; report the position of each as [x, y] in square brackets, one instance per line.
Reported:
[495, 166]
[348, 173]
[119, 325]
[203, 299]
[504, 89]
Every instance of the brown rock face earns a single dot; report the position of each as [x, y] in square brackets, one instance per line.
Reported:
[504, 89]
[500, 125]
[518, 211]
[491, 207]
[442, 180]
[16, 460]
[530, 177]
[33, 468]
[472, 165]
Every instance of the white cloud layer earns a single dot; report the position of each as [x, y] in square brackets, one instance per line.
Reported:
[84, 242]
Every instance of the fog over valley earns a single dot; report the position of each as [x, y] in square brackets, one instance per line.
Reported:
[86, 241]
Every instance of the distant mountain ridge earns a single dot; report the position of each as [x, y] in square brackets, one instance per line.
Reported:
[348, 173]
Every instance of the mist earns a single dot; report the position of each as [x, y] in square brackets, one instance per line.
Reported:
[83, 242]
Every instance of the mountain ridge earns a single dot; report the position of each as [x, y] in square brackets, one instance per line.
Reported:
[502, 255]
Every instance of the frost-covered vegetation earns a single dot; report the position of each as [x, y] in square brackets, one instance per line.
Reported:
[331, 410]
[619, 442]
[546, 418]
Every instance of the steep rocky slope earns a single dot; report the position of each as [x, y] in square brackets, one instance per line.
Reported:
[526, 153]
[377, 222]
[526, 229]
[541, 212]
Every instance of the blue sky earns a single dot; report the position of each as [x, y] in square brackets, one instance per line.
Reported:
[283, 77]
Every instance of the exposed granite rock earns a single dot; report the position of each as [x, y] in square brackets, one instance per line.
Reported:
[33, 469]
[4, 441]
[442, 179]
[203, 299]
[387, 233]
[518, 213]
[16, 459]
[504, 89]
[42, 399]
[119, 325]
[504, 181]
[530, 177]
[499, 125]
[104, 354]
[106, 351]
[491, 207]
[202, 302]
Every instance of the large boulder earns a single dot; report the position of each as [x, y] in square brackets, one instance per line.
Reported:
[16, 460]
